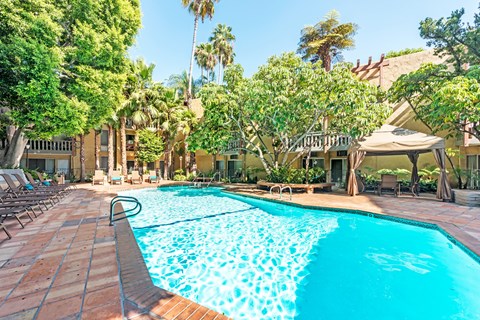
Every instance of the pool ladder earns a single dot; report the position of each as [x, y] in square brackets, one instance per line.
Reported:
[118, 199]
[280, 190]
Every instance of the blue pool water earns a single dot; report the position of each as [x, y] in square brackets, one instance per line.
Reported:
[253, 259]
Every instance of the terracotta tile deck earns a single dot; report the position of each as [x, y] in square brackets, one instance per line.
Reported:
[70, 264]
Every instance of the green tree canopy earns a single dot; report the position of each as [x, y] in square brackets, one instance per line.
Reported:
[326, 40]
[150, 146]
[288, 99]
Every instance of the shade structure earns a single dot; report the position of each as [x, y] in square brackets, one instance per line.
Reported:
[391, 140]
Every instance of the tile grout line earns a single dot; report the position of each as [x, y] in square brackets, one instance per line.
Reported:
[89, 265]
[34, 261]
[58, 270]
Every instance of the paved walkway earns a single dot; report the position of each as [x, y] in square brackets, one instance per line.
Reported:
[65, 264]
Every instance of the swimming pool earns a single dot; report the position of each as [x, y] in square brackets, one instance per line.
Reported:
[254, 259]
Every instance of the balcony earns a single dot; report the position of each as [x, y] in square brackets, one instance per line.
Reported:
[45, 146]
[320, 142]
[233, 148]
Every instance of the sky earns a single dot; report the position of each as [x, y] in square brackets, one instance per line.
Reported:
[265, 28]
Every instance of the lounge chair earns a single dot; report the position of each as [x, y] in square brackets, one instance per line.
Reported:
[2, 227]
[98, 177]
[136, 177]
[6, 197]
[116, 177]
[43, 182]
[23, 190]
[44, 189]
[46, 185]
[16, 213]
[389, 182]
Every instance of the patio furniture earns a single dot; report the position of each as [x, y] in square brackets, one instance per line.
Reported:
[153, 178]
[116, 177]
[22, 190]
[16, 213]
[30, 187]
[46, 184]
[2, 227]
[389, 182]
[136, 177]
[98, 177]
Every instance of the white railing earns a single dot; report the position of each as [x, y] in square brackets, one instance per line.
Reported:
[44, 146]
[233, 147]
[321, 142]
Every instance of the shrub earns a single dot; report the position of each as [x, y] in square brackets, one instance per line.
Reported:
[291, 175]
[179, 177]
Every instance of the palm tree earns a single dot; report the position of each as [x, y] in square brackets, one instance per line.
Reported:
[186, 120]
[167, 122]
[206, 58]
[200, 9]
[139, 80]
[325, 40]
[222, 40]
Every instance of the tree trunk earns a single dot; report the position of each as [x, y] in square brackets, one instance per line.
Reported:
[82, 158]
[15, 148]
[187, 157]
[327, 62]
[135, 147]
[172, 163]
[219, 66]
[190, 73]
[123, 145]
[97, 149]
[166, 162]
[110, 150]
[307, 165]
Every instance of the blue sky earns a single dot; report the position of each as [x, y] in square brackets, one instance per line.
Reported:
[266, 28]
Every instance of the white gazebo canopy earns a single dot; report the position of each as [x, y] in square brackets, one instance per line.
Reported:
[391, 140]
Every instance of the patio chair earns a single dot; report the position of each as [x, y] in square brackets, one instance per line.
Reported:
[116, 177]
[136, 177]
[389, 182]
[11, 197]
[153, 178]
[98, 177]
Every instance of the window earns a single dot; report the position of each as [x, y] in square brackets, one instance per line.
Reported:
[104, 163]
[50, 165]
[220, 165]
[473, 172]
[34, 164]
[233, 157]
[314, 163]
[130, 165]
[151, 166]
[104, 138]
[342, 153]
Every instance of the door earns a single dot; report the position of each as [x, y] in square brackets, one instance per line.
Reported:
[234, 168]
[337, 170]
[63, 166]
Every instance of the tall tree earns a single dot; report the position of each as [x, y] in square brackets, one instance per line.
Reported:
[139, 80]
[287, 99]
[206, 58]
[222, 40]
[326, 40]
[30, 88]
[200, 10]
[446, 99]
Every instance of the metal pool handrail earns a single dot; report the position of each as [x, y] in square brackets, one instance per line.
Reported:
[117, 199]
[286, 187]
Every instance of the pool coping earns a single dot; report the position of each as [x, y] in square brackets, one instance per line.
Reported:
[137, 287]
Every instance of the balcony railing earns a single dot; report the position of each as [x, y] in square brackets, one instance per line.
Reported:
[233, 147]
[321, 142]
[45, 146]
